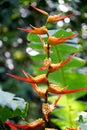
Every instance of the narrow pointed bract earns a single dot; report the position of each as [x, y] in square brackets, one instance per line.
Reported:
[11, 125]
[15, 126]
[57, 90]
[41, 30]
[57, 66]
[52, 18]
[58, 17]
[39, 123]
[39, 10]
[53, 67]
[55, 41]
[38, 79]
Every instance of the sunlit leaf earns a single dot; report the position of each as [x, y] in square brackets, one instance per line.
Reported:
[11, 106]
[68, 111]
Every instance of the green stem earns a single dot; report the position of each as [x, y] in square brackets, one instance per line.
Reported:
[64, 84]
[48, 55]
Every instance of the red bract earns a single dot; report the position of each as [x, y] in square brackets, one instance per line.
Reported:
[57, 90]
[41, 30]
[10, 125]
[39, 123]
[55, 41]
[38, 79]
[53, 67]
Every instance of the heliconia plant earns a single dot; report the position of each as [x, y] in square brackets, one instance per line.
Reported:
[50, 68]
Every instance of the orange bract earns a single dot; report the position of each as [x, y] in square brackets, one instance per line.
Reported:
[55, 41]
[56, 18]
[57, 90]
[39, 10]
[52, 18]
[53, 67]
[40, 91]
[41, 30]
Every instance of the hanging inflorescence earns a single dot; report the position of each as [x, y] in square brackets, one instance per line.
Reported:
[43, 78]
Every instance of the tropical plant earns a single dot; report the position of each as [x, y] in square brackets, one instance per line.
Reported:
[56, 82]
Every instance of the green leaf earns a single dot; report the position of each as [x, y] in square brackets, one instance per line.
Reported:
[62, 33]
[68, 111]
[33, 37]
[11, 106]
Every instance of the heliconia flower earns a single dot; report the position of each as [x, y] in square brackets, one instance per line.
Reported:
[40, 91]
[55, 41]
[53, 67]
[48, 108]
[41, 30]
[38, 79]
[52, 18]
[39, 123]
[39, 10]
[57, 90]
[56, 18]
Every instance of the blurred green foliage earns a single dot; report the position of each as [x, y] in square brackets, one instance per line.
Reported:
[14, 55]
